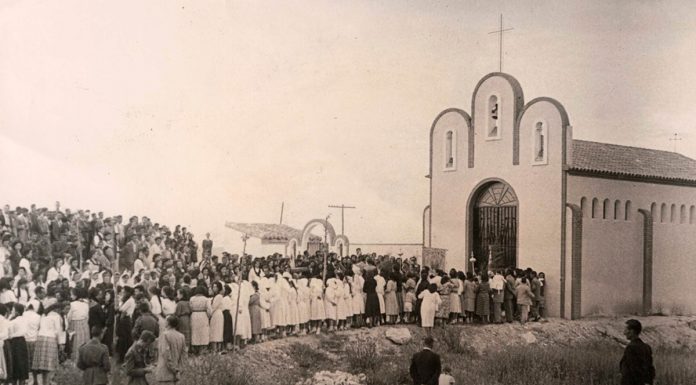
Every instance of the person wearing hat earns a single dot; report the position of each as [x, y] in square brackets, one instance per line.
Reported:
[637, 363]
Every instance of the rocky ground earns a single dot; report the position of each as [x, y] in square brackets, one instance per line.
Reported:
[297, 359]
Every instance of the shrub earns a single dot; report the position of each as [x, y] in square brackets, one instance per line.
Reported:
[306, 356]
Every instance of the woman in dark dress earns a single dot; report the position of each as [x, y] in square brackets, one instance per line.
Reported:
[227, 327]
[372, 312]
[483, 296]
[109, 311]
[124, 324]
[183, 311]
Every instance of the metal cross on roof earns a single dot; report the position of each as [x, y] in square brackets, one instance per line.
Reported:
[675, 138]
[500, 31]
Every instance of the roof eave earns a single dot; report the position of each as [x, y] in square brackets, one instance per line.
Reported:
[632, 177]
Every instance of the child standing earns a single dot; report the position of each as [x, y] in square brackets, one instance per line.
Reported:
[409, 302]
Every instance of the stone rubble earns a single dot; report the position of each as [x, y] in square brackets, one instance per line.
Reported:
[338, 377]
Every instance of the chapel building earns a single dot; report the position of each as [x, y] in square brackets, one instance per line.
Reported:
[612, 227]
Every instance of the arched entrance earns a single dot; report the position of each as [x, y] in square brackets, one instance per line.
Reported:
[314, 246]
[493, 231]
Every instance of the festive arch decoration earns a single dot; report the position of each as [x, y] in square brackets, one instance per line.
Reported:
[306, 232]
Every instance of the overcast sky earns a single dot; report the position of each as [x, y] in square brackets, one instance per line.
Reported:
[198, 112]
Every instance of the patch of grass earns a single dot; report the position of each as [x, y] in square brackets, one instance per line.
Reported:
[213, 369]
[450, 338]
[363, 356]
[586, 364]
[307, 356]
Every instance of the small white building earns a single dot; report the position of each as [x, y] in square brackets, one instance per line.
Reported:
[613, 227]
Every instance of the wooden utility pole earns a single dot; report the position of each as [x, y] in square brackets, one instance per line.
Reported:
[342, 207]
[282, 206]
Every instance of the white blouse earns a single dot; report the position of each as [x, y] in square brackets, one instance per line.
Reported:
[18, 327]
[128, 307]
[52, 275]
[79, 310]
[52, 326]
[168, 307]
[33, 322]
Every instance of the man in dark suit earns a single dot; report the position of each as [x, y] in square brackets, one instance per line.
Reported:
[636, 364]
[93, 359]
[425, 365]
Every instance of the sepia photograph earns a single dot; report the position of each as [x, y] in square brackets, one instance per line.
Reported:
[323, 192]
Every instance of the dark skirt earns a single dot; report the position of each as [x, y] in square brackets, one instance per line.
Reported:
[227, 330]
[372, 305]
[125, 338]
[20, 358]
[7, 351]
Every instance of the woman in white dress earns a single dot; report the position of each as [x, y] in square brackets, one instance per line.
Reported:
[216, 319]
[330, 303]
[381, 285]
[431, 301]
[303, 308]
[318, 314]
[241, 319]
[358, 302]
[265, 303]
[293, 317]
[341, 304]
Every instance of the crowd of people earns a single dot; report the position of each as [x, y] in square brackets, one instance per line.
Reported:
[74, 280]
[225, 303]
[57, 286]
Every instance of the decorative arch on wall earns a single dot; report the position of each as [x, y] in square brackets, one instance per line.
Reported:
[596, 213]
[682, 214]
[606, 209]
[565, 123]
[663, 213]
[583, 206]
[331, 234]
[515, 106]
[692, 215]
[673, 213]
[493, 194]
[628, 215]
[342, 245]
[467, 120]
[292, 247]
[653, 211]
[617, 210]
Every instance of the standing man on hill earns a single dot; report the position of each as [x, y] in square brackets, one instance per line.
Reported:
[207, 245]
[636, 364]
[425, 365]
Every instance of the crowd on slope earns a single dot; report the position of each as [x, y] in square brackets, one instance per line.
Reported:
[57, 270]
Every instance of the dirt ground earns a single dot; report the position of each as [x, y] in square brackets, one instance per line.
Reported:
[272, 362]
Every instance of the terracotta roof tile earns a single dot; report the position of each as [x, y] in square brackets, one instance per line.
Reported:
[612, 159]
